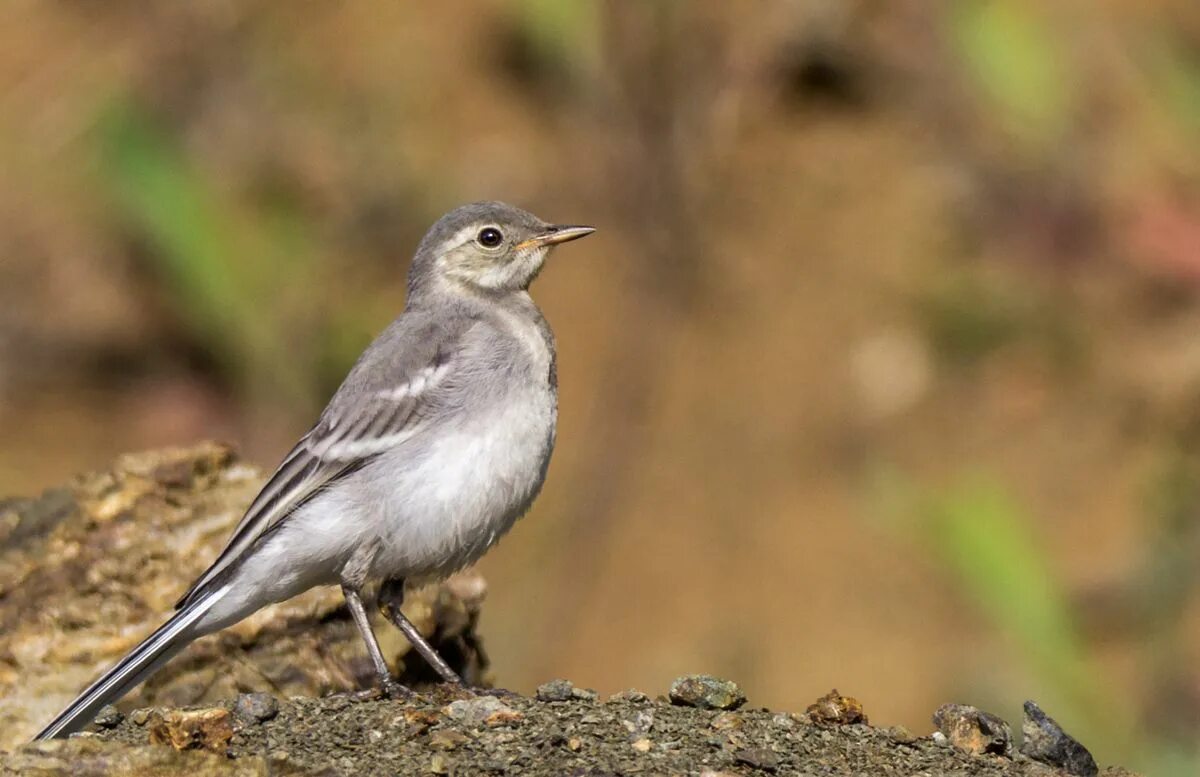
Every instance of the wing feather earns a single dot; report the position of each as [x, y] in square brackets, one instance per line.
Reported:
[351, 432]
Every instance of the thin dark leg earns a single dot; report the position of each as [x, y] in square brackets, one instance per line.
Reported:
[391, 596]
[359, 614]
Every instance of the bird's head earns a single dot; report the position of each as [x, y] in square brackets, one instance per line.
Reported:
[489, 246]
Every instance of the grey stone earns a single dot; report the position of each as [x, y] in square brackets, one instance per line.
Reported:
[109, 717]
[706, 692]
[632, 696]
[900, 735]
[556, 690]
[564, 690]
[484, 711]
[584, 694]
[1045, 741]
[256, 707]
[757, 758]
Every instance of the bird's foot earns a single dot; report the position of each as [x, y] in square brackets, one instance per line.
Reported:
[390, 688]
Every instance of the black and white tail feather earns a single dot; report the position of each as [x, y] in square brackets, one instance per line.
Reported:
[140, 663]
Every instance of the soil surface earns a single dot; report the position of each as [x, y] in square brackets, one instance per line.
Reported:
[453, 732]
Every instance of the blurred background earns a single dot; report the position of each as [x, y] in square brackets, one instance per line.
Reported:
[882, 372]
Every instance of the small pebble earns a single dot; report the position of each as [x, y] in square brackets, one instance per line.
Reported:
[109, 717]
[706, 692]
[447, 739]
[207, 728]
[418, 721]
[256, 707]
[642, 745]
[574, 743]
[483, 711]
[556, 690]
[758, 758]
[140, 716]
[1045, 741]
[632, 696]
[564, 690]
[438, 765]
[836, 709]
[584, 694]
[640, 724]
[900, 735]
[973, 730]
[727, 721]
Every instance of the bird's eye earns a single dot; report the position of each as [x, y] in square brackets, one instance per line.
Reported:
[489, 237]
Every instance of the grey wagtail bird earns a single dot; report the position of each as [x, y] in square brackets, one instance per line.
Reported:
[435, 444]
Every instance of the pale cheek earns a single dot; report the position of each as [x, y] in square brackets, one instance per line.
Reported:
[497, 276]
[492, 273]
[527, 264]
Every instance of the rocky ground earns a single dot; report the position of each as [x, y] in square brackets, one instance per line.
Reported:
[564, 731]
[87, 569]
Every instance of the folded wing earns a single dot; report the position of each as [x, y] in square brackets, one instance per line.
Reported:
[378, 407]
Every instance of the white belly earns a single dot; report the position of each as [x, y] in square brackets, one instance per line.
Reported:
[442, 510]
[468, 489]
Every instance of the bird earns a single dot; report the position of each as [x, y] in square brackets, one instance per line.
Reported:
[436, 442]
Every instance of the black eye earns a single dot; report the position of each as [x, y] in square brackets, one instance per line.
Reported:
[489, 237]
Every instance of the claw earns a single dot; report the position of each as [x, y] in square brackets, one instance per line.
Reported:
[394, 690]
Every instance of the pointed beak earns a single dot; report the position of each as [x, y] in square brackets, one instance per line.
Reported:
[559, 233]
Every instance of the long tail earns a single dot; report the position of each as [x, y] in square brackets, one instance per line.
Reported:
[141, 662]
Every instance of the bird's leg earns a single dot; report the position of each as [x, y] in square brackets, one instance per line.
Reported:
[391, 596]
[359, 614]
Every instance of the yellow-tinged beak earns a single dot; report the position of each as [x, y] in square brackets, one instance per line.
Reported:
[560, 233]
